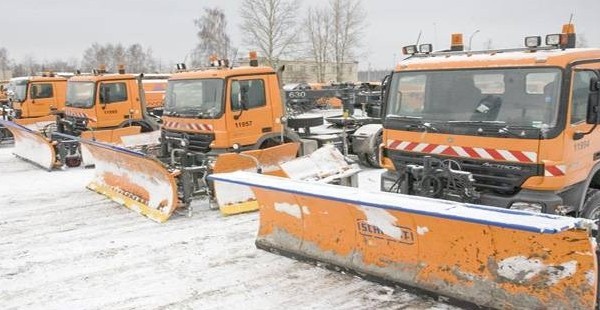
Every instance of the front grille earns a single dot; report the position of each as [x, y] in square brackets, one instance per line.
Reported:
[196, 142]
[490, 176]
[76, 125]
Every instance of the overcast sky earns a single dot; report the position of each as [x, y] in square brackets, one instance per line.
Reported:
[63, 29]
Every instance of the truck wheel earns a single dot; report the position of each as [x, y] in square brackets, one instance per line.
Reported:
[304, 121]
[591, 205]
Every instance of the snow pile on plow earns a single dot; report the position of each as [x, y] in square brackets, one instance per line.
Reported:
[31, 145]
[487, 256]
[325, 165]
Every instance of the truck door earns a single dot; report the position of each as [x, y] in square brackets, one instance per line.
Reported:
[250, 108]
[114, 103]
[580, 154]
[41, 99]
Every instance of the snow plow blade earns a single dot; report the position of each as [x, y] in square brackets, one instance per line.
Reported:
[40, 124]
[236, 199]
[133, 179]
[490, 257]
[31, 145]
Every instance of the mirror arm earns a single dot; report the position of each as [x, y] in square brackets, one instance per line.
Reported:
[578, 134]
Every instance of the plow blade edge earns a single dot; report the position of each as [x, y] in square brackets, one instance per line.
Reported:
[133, 179]
[483, 255]
[31, 145]
[235, 199]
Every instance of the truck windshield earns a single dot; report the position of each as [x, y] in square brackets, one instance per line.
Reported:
[513, 97]
[201, 98]
[17, 90]
[80, 94]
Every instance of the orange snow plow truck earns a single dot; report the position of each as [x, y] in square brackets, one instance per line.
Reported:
[32, 101]
[216, 119]
[100, 106]
[492, 171]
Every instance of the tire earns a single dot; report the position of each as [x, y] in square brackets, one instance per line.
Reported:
[304, 121]
[591, 205]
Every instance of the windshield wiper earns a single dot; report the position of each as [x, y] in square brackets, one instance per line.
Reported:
[420, 124]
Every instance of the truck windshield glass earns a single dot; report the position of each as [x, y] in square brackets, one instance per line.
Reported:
[202, 98]
[80, 94]
[17, 90]
[515, 97]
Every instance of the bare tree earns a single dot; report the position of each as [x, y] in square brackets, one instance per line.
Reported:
[4, 63]
[133, 57]
[270, 26]
[348, 18]
[318, 23]
[212, 33]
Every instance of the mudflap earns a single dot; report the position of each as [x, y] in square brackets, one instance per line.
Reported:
[486, 256]
[236, 199]
[133, 179]
[31, 145]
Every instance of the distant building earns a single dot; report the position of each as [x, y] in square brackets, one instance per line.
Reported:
[305, 71]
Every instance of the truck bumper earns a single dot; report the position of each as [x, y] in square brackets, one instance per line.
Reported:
[525, 199]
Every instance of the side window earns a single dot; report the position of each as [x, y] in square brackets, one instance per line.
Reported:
[579, 95]
[113, 92]
[249, 93]
[410, 96]
[41, 91]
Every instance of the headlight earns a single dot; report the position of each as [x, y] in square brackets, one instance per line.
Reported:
[533, 41]
[527, 206]
[553, 39]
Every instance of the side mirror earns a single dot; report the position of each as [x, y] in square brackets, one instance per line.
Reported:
[104, 95]
[593, 108]
[385, 85]
[33, 91]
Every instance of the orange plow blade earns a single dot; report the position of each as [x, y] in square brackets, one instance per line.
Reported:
[31, 146]
[483, 255]
[133, 179]
[235, 199]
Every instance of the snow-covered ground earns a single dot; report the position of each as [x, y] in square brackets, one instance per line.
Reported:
[65, 247]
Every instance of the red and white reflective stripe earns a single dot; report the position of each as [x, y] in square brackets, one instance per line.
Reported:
[555, 170]
[188, 126]
[75, 114]
[463, 151]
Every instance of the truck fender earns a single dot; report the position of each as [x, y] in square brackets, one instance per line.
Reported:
[593, 181]
[288, 136]
[364, 139]
[146, 125]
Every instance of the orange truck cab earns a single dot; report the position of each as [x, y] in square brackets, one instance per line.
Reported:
[508, 128]
[155, 85]
[223, 109]
[37, 96]
[105, 101]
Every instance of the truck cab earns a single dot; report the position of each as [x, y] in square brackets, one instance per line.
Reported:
[105, 101]
[37, 96]
[507, 128]
[223, 109]
[155, 85]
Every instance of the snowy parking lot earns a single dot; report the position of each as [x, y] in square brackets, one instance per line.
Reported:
[65, 247]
